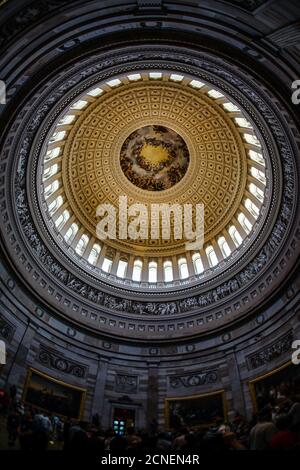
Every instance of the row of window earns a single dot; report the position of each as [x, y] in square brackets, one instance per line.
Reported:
[184, 273]
[212, 255]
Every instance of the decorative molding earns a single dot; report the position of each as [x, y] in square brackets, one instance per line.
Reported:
[6, 329]
[268, 354]
[52, 360]
[126, 383]
[196, 379]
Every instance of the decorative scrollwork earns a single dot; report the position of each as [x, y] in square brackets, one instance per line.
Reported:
[54, 361]
[195, 380]
[271, 352]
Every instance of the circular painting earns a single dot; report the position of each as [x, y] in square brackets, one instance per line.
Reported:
[154, 158]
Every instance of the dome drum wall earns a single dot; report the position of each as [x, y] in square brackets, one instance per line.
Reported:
[149, 305]
[221, 327]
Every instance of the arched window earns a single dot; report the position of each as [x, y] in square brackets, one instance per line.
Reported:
[50, 171]
[137, 270]
[80, 104]
[215, 94]
[242, 122]
[236, 237]
[152, 271]
[106, 265]
[168, 271]
[95, 92]
[224, 247]
[198, 265]
[51, 188]
[52, 153]
[259, 175]
[62, 219]
[122, 268]
[252, 208]
[57, 136]
[257, 157]
[183, 268]
[251, 139]
[66, 119]
[94, 254]
[257, 192]
[211, 256]
[133, 77]
[82, 244]
[52, 208]
[244, 222]
[71, 232]
[232, 108]
[196, 84]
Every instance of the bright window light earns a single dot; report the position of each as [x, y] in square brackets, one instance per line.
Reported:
[106, 265]
[198, 265]
[66, 119]
[122, 268]
[224, 247]
[196, 84]
[211, 256]
[52, 208]
[251, 139]
[152, 271]
[71, 232]
[242, 122]
[155, 75]
[137, 270]
[79, 104]
[245, 223]
[252, 208]
[51, 188]
[95, 92]
[236, 237]
[81, 245]
[257, 157]
[215, 94]
[94, 254]
[176, 78]
[183, 268]
[232, 108]
[259, 175]
[257, 192]
[168, 271]
[62, 219]
[114, 82]
[52, 153]
[134, 77]
[57, 136]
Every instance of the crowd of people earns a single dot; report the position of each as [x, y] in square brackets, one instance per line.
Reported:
[273, 428]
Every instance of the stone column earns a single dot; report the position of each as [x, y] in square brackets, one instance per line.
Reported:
[235, 383]
[18, 369]
[98, 401]
[152, 396]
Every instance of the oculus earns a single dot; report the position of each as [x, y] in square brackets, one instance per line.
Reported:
[154, 158]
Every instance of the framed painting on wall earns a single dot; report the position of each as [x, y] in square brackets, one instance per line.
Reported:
[275, 386]
[195, 410]
[52, 395]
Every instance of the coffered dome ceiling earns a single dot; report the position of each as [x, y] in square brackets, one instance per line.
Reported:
[217, 161]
